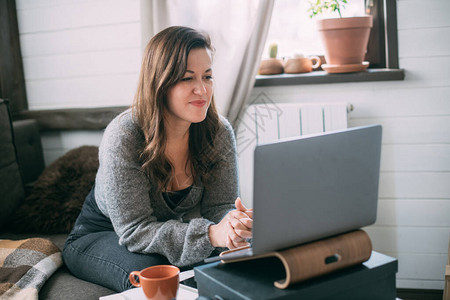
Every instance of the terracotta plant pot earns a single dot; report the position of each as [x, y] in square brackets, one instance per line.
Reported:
[345, 39]
[270, 66]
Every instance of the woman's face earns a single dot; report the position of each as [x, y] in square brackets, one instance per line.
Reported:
[188, 100]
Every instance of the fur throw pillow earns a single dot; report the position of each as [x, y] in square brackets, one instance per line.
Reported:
[58, 194]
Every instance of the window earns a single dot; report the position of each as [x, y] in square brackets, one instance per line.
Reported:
[295, 33]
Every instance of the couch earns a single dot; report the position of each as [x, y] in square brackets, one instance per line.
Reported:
[21, 164]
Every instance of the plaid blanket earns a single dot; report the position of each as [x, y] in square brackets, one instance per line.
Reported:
[25, 265]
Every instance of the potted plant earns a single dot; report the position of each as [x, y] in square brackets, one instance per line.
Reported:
[345, 39]
[273, 65]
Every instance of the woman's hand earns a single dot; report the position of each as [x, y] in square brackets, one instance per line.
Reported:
[233, 229]
[239, 226]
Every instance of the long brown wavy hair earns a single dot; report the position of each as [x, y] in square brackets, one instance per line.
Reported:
[164, 65]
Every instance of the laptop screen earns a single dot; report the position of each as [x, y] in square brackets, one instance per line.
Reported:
[312, 187]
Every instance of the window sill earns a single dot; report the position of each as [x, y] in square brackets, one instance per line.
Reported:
[323, 77]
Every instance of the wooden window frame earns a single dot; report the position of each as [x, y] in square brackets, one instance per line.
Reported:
[12, 80]
[382, 50]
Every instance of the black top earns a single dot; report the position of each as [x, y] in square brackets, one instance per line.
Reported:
[173, 198]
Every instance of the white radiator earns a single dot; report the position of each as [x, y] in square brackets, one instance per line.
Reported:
[268, 122]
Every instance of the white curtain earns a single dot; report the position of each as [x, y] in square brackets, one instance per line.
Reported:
[238, 31]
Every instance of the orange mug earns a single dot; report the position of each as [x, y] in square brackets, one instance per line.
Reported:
[158, 282]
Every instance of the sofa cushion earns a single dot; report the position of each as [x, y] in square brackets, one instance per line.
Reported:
[29, 149]
[11, 186]
[63, 285]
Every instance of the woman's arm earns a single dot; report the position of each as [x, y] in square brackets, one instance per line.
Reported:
[122, 193]
[219, 198]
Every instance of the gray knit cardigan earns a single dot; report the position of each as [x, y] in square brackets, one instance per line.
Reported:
[140, 216]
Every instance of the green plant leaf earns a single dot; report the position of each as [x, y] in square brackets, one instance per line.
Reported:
[322, 6]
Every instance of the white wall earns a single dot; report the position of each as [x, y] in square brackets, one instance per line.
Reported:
[79, 53]
[87, 53]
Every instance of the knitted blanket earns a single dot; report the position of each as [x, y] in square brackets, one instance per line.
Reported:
[25, 265]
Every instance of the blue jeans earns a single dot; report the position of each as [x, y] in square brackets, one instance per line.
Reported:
[92, 251]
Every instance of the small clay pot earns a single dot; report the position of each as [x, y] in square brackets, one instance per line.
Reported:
[270, 66]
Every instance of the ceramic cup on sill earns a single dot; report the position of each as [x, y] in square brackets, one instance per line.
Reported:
[271, 66]
[159, 282]
[301, 64]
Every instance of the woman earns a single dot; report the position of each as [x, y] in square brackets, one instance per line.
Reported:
[167, 181]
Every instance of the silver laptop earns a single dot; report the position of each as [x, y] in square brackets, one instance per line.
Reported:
[313, 187]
